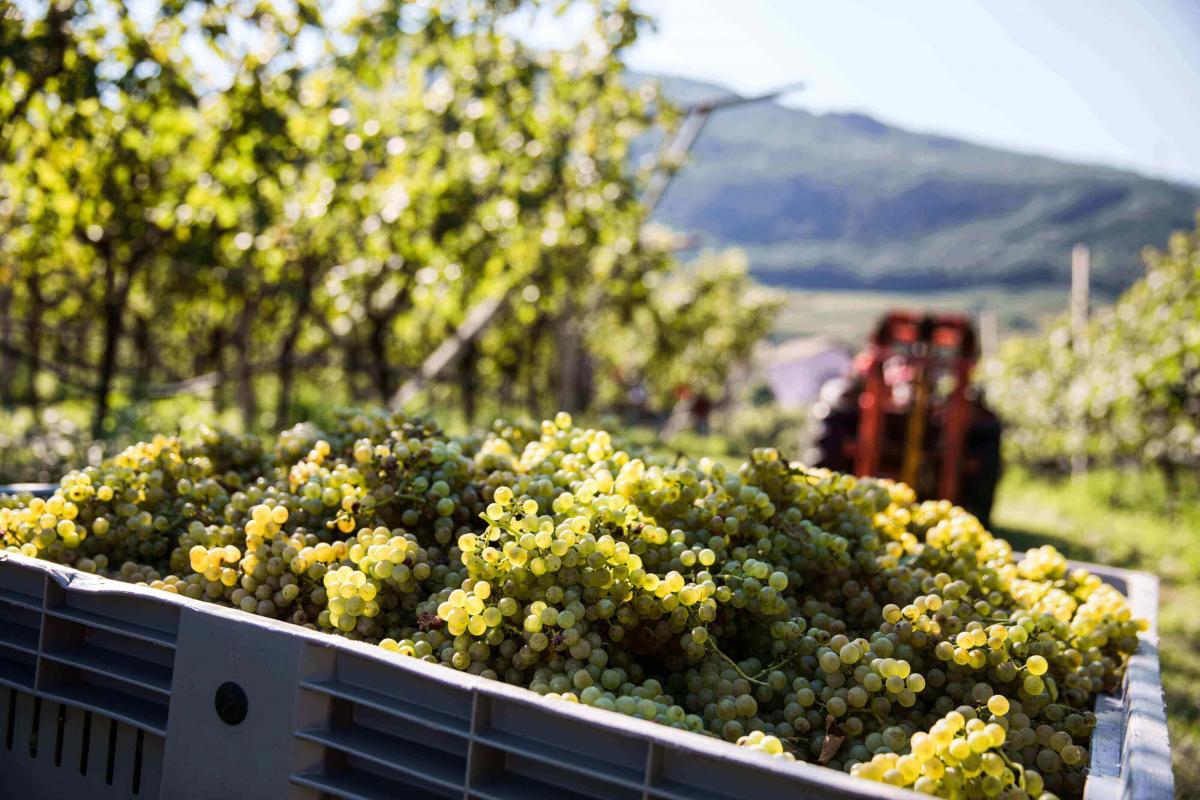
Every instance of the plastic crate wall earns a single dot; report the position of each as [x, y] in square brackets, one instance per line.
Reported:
[112, 690]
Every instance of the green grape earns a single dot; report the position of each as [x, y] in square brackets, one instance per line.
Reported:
[751, 604]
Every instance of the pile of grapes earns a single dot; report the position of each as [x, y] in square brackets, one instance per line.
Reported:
[798, 612]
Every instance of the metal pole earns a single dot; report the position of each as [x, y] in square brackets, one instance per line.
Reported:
[675, 150]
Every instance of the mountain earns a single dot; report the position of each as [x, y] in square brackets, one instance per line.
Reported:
[846, 201]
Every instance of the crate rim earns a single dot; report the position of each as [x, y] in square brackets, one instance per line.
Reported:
[663, 735]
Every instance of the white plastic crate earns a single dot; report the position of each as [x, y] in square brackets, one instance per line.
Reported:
[109, 690]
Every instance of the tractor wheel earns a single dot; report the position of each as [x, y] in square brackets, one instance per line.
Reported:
[984, 468]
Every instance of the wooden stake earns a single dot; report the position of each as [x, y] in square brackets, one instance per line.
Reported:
[989, 333]
[1080, 267]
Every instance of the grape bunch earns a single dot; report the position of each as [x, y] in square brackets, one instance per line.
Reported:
[796, 612]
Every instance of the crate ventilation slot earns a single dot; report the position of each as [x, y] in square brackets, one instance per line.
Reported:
[108, 665]
[80, 743]
[376, 745]
[20, 628]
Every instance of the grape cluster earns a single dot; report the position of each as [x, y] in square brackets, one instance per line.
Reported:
[796, 612]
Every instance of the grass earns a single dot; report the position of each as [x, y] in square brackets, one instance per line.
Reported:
[1128, 521]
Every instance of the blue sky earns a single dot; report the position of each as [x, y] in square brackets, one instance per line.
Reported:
[1105, 81]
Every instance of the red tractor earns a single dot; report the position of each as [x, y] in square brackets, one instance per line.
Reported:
[909, 411]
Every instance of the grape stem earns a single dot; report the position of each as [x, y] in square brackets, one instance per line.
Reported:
[1018, 768]
[772, 667]
[733, 664]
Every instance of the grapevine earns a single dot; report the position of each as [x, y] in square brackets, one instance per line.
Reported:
[1125, 392]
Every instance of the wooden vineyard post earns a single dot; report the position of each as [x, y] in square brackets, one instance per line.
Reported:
[1080, 268]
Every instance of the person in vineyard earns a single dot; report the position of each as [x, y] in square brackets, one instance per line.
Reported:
[701, 410]
[692, 411]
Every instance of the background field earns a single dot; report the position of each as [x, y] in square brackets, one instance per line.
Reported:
[847, 316]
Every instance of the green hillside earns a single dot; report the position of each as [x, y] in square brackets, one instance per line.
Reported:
[842, 201]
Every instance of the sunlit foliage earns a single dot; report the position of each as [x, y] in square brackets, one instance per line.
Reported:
[268, 195]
